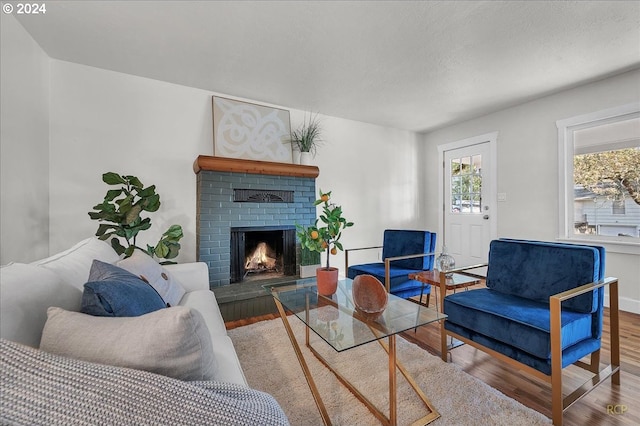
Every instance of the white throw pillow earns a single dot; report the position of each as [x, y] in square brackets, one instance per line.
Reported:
[150, 271]
[174, 342]
[26, 291]
[73, 265]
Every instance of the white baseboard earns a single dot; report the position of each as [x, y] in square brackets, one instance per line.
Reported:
[626, 304]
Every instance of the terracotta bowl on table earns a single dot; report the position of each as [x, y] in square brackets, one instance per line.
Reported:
[369, 295]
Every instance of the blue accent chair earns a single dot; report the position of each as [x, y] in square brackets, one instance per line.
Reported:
[541, 311]
[415, 250]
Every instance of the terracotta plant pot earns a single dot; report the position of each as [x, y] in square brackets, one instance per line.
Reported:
[369, 295]
[327, 280]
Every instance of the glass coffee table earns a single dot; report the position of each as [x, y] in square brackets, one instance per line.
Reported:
[326, 316]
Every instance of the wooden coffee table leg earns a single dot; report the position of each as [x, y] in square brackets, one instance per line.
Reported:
[305, 369]
[432, 414]
[393, 403]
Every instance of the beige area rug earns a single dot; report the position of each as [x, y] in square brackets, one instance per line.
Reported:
[270, 365]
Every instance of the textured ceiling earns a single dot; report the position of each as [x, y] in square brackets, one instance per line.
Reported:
[409, 65]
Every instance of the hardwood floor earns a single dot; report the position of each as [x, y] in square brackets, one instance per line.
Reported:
[605, 405]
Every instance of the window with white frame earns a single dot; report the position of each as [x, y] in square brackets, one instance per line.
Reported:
[600, 175]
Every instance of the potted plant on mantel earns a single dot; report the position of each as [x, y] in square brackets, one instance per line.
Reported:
[306, 139]
[325, 238]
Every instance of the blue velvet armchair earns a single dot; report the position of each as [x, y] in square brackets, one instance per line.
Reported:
[406, 252]
[541, 311]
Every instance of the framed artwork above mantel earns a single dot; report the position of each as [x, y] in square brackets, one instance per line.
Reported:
[250, 131]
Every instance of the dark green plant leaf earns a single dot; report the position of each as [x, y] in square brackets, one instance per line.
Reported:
[125, 204]
[161, 250]
[111, 178]
[134, 181]
[112, 217]
[130, 233]
[112, 194]
[145, 224]
[147, 192]
[174, 249]
[119, 248]
[129, 251]
[102, 229]
[152, 203]
[104, 206]
[174, 231]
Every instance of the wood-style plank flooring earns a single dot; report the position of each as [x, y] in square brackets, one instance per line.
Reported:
[605, 405]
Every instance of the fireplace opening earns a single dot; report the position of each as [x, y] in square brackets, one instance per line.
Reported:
[263, 258]
[259, 253]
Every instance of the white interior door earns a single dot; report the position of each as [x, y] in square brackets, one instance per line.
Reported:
[468, 202]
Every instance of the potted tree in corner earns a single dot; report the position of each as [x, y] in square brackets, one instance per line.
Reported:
[325, 237]
[306, 139]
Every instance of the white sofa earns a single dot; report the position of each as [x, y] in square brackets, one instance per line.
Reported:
[28, 290]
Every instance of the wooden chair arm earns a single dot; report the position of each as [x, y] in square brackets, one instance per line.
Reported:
[555, 306]
[362, 248]
[585, 288]
[387, 262]
[346, 255]
[387, 265]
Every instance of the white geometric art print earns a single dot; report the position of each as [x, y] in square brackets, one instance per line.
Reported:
[249, 131]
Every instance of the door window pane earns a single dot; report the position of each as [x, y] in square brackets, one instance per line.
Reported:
[466, 184]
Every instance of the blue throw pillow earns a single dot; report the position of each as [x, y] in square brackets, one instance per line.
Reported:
[113, 292]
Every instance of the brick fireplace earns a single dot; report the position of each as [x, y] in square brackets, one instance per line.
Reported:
[238, 197]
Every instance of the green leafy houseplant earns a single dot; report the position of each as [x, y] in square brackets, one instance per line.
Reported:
[308, 136]
[308, 257]
[320, 238]
[120, 212]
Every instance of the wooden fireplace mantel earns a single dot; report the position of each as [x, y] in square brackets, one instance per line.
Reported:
[222, 164]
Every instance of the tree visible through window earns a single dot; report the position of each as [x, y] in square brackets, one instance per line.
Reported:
[607, 181]
[599, 171]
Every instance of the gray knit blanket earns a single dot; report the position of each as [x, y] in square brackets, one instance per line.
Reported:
[38, 388]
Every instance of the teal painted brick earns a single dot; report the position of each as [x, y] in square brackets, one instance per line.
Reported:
[218, 213]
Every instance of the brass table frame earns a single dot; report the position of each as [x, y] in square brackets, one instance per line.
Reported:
[392, 419]
[443, 284]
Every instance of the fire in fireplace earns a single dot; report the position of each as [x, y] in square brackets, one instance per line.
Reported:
[262, 259]
[262, 252]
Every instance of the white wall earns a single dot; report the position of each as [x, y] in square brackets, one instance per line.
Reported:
[374, 173]
[24, 146]
[103, 121]
[528, 166]
[106, 121]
